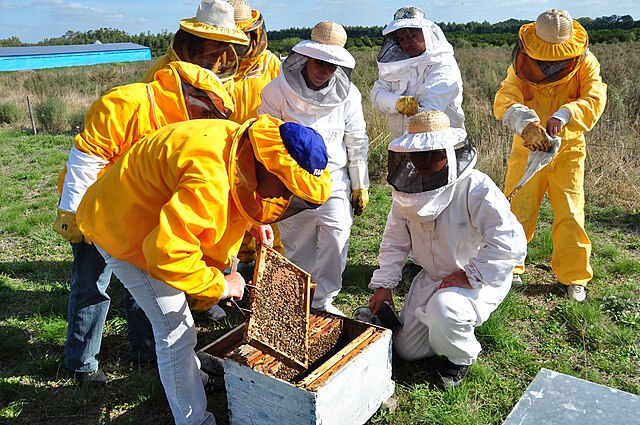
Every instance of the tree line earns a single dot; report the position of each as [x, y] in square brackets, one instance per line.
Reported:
[606, 29]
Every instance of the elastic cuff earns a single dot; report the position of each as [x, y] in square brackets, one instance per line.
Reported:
[563, 115]
[225, 291]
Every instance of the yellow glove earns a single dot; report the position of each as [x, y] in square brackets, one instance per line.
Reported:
[359, 200]
[407, 105]
[534, 137]
[67, 227]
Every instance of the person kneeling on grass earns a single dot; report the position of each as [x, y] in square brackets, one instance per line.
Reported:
[168, 217]
[459, 227]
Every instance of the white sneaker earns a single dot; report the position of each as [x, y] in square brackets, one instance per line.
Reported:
[216, 313]
[576, 293]
[517, 281]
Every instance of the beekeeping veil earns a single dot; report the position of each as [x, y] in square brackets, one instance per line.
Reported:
[326, 44]
[428, 196]
[210, 38]
[549, 50]
[394, 64]
[293, 153]
[252, 23]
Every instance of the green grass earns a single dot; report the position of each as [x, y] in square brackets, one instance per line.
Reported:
[535, 327]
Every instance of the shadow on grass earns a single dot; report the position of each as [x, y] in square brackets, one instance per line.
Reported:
[616, 219]
[416, 372]
[38, 270]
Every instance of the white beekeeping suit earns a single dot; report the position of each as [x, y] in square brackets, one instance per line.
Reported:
[432, 78]
[459, 227]
[317, 240]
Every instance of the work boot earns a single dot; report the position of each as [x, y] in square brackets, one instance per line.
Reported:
[576, 293]
[95, 377]
[451, 375]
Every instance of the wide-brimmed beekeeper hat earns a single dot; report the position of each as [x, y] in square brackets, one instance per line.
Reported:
[406, 17]
[214, 20]
[327, 44]
[252, 23]
[429, 131]
[246, 18]
[554, 36]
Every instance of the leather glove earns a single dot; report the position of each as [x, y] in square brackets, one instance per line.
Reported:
[535, 137]
[67, 227]
[407, 105]
[359, 200]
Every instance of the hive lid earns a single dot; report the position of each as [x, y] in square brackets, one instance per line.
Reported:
[279, 321]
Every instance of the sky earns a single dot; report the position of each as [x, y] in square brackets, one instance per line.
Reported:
[35, 20]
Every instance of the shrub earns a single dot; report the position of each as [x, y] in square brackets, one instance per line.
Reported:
[76, 121]
[52, 115]
[10, 113]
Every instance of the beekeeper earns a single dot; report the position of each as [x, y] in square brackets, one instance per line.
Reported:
[314, 89]
[181, 91]
[417, 72]
[170, 214]
[209, 39]
[258, 68]
[553, 88]
[463, 236]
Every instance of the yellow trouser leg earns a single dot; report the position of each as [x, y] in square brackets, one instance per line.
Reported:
[571, 245]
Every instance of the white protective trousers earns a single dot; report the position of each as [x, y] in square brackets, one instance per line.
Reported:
[443, 321]
[476, 233]
[175, 336]
[318, 241]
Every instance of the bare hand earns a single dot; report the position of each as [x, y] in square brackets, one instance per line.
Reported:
[554, 126]
[457, 279]
[235, 282]
[263, 234]
[378, 298]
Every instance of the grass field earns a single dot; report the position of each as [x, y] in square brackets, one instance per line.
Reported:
[598, 340]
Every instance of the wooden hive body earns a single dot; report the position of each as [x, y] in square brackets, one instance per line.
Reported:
[346, 384]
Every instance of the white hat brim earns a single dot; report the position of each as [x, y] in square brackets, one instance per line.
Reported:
[325, 52]
[405, 23]
[430, 141]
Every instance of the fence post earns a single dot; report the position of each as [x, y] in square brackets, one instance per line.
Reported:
[33, 121]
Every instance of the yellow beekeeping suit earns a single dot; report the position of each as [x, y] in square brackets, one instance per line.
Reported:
[582, 95]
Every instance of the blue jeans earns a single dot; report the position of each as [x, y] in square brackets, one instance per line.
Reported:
[175, 332]
[87, 313]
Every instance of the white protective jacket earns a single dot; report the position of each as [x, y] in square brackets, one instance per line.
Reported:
[433, 78]
[476, 233]
[335, 112]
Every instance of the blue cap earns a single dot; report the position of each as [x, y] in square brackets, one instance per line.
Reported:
[306, 146]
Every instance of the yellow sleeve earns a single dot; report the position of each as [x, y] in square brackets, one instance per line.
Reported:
[587, 109]
[511, 92]
[114, 122]
[173, 249]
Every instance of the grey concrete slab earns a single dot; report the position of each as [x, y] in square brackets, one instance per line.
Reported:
[556, 398]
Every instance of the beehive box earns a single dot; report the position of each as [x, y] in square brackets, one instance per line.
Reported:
[348, 378]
